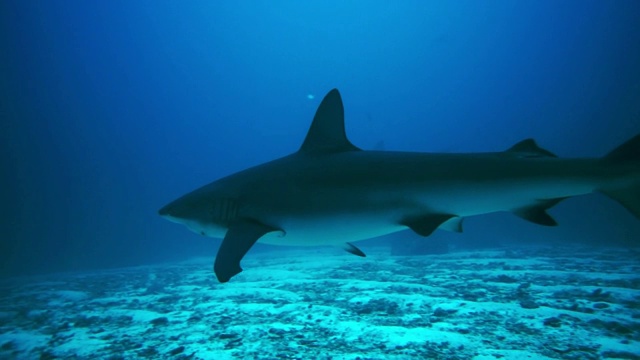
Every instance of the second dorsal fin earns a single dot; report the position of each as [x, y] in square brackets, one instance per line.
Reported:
[529, 148]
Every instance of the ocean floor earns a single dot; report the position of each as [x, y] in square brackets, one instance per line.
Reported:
[520, 303]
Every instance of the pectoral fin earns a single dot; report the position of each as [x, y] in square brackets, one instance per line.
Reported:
[240, 237]
[426, 224]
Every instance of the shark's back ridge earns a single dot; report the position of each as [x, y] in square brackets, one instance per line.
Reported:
[327, 133]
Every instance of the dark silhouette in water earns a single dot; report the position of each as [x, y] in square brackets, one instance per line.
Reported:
[331, 192]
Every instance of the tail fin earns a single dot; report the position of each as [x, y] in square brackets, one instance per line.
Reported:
[629, 195]
[629, 151]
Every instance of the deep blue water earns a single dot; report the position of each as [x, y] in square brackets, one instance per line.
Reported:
[111, 109]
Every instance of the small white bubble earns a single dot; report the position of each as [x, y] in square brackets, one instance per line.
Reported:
[311, 96]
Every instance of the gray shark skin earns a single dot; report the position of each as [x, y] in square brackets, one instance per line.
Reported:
[332, 193]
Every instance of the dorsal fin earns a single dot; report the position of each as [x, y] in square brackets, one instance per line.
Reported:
[529, 148]
[327, 134]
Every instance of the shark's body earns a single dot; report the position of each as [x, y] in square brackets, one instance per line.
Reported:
[332, 193]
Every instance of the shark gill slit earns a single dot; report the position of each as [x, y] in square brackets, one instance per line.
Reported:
[225, 210]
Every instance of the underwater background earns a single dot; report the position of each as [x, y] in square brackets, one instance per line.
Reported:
[111, 109]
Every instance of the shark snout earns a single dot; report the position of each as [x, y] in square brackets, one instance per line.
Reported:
[174, 212]
[174, 209]
[181, 210]
[165, 210]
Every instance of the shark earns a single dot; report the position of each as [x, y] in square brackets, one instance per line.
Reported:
[331, 192]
